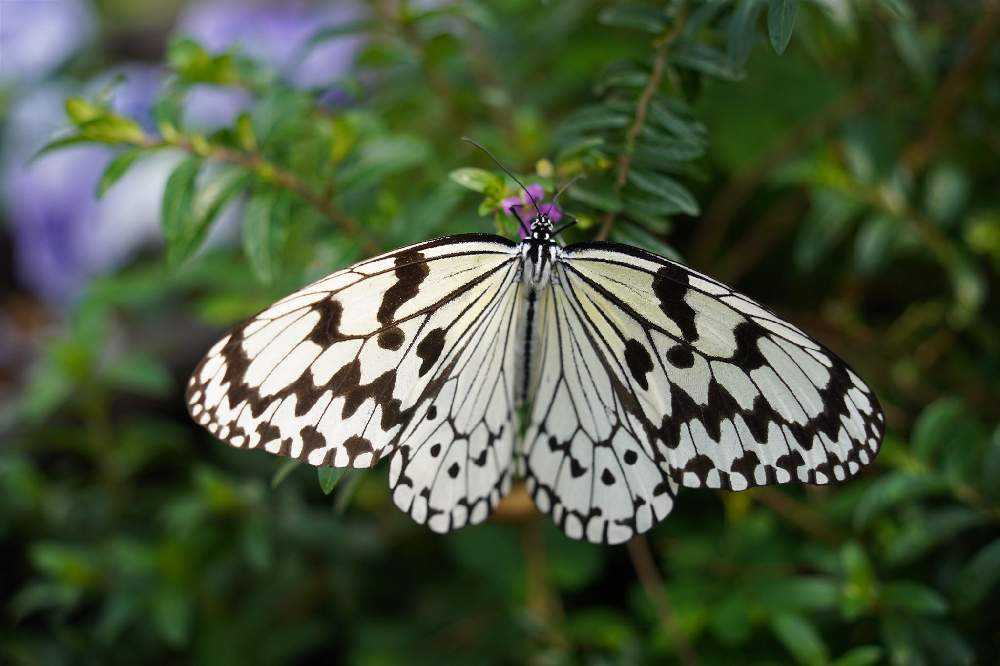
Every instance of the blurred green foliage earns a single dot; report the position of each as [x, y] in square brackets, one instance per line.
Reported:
[836, 161]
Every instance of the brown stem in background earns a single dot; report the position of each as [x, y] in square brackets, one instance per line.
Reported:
[541, 600]
[756, 242]
[652, 583]
[797, 513]
[662, 46]
[953, 88]
[724, 207]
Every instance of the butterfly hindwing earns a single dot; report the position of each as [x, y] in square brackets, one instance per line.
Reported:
[587, 461]
[344, 371]
[454, 457]
[732, 396]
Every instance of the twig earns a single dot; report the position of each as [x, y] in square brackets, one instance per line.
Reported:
[270, 172]
[797, 513]
[756, 242]
[542, 602]
[662, 46]
[652, 583]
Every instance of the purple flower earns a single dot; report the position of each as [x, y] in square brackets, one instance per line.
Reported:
[274, 33]
[524, 201]
[277, 34]
[38, 37]
[63, 235]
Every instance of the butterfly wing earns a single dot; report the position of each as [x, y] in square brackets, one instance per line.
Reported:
[406, 353]
[718, 391]
[585, 460]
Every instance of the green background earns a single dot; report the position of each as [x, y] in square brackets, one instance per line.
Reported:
[835, 161]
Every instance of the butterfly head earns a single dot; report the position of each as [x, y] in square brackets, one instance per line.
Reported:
[541, 227]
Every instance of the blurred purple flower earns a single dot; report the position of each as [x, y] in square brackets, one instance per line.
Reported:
[275, 33]
[62, 234]
[523, 201]
[38, 37]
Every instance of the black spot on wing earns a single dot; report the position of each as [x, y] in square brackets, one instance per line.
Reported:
[670, 286]
[639, 362]
[391, 338]
[356, 446]
[429, 349]
[680, 356]
[327, 329]
[410, 272]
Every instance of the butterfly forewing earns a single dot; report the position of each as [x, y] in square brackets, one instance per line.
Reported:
[344, 371]
[731, 395]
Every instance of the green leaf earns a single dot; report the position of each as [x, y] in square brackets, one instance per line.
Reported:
[874, 242]
[707, 60]
[933, 528]
[329, 477]
[800, 637]
[117, 168]
[180, 225]
[43, 595]
[781, 23]
[635, 235]
[59, 144]
[112, 129]
[666, 188]
[141, 373]
[913, 597]
[979, 576]
[743, 31]
[602, 198]
[188, 214]
[899, 9]
[936, 426]
[171, 615]
[801, 593]
[339, 30]
[346, 494]
[893, 490]
[602, 628]
[286, 468]
[80, 110]
[592, 119]
[859, 593]
[194, 64]
[665, 155]
[990, 473]
[866, 655]
[675, 122]
[970, 290]
[634, 16]
[258, 236]
[828, 220]
[477, 180]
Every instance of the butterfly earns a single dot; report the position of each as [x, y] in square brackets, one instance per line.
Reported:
[604, 376]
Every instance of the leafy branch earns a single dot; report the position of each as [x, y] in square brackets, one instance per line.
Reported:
[662, 45]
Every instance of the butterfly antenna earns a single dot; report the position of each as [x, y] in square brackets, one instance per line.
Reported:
[506, 171]
[565, 187]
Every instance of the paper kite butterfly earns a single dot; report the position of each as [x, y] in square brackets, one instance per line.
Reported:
[605, 376]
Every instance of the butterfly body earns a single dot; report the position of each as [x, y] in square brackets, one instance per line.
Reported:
[635, 376]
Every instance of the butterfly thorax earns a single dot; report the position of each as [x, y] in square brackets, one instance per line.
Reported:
[538, 251]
